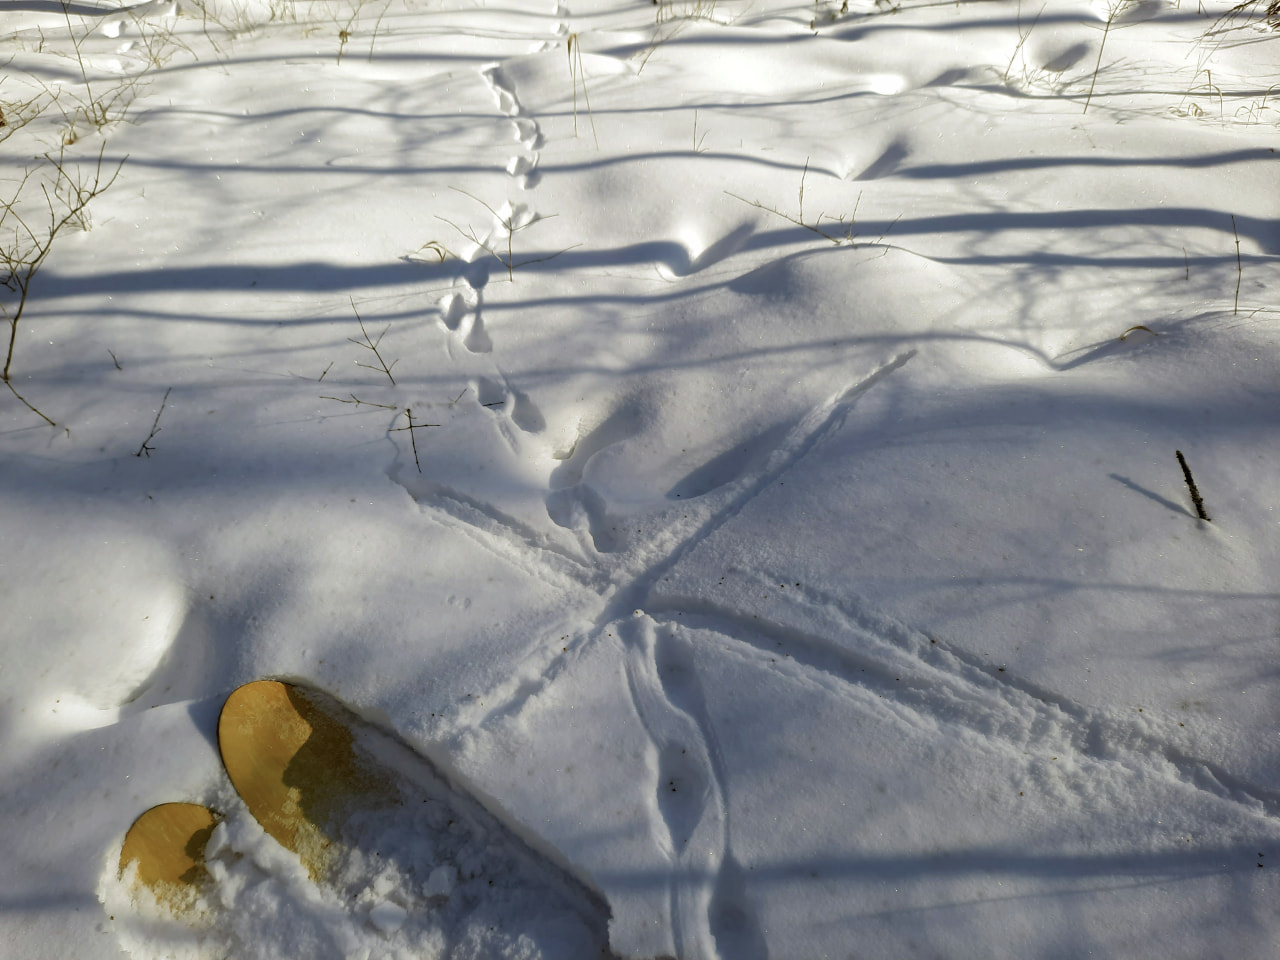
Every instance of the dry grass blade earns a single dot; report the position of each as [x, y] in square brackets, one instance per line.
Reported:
[576, 75]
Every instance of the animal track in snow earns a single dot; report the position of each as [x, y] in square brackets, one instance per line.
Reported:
[476, 339]
[504, 399]
[687, 789]
[562, 30]
[575, 504]
[460, 316]
[457, 306]
[511, 409]
[522, 166]
[527, 133]
[928, 683]
[689, 813]
[461, 310]
[582, 506]
[858, 655]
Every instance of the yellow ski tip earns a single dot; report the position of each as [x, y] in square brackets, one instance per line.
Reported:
[290, 754]
[167, 844]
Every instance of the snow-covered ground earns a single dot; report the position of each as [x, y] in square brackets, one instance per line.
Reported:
[732, 440]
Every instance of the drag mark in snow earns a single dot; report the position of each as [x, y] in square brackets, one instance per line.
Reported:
[854, 653]
[689, 809]
[819, 424]
[925, 684]
[514, 542]
[687, 798]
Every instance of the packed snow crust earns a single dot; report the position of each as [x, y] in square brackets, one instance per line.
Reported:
[726, 448]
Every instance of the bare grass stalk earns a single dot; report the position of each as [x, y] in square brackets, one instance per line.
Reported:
[146, 447]
[1022, 39]
[372, 346]
[413, 442]
[698, 141]
[1112, 12]
[511, 222]
[377, 25]
[844, 237]
[1248, 10]
[29, 245]
[16, 114]
[576, 75]
[1239, 268]
[160, 41]
[685, 10]
[438, 249]
[351, 398]
[1213, 89]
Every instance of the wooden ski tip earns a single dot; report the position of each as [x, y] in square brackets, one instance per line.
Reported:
[290, 754]
[167, 844]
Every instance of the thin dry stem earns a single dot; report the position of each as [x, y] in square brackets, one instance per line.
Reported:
[576, 74]
[361, 403]
[372, 345]
[24, 256]
[1239, 268]
[1111, 15]
[146, 447]
[413, 442]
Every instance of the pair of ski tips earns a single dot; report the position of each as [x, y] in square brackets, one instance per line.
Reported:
[290, 754]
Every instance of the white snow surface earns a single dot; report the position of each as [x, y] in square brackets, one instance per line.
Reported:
[758, 522]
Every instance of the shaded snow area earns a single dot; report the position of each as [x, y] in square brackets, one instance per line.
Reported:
[724, 450]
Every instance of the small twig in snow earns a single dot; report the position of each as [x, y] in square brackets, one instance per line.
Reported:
[27, 403]
[1191, 485]
[370, 344]
[362, 403]
[155, 427]
[408, 412]
[1239, 269]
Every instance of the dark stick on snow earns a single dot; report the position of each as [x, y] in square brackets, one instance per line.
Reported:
[1239, 269]
[408, 412]
[1191, 485]
[155, 428]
